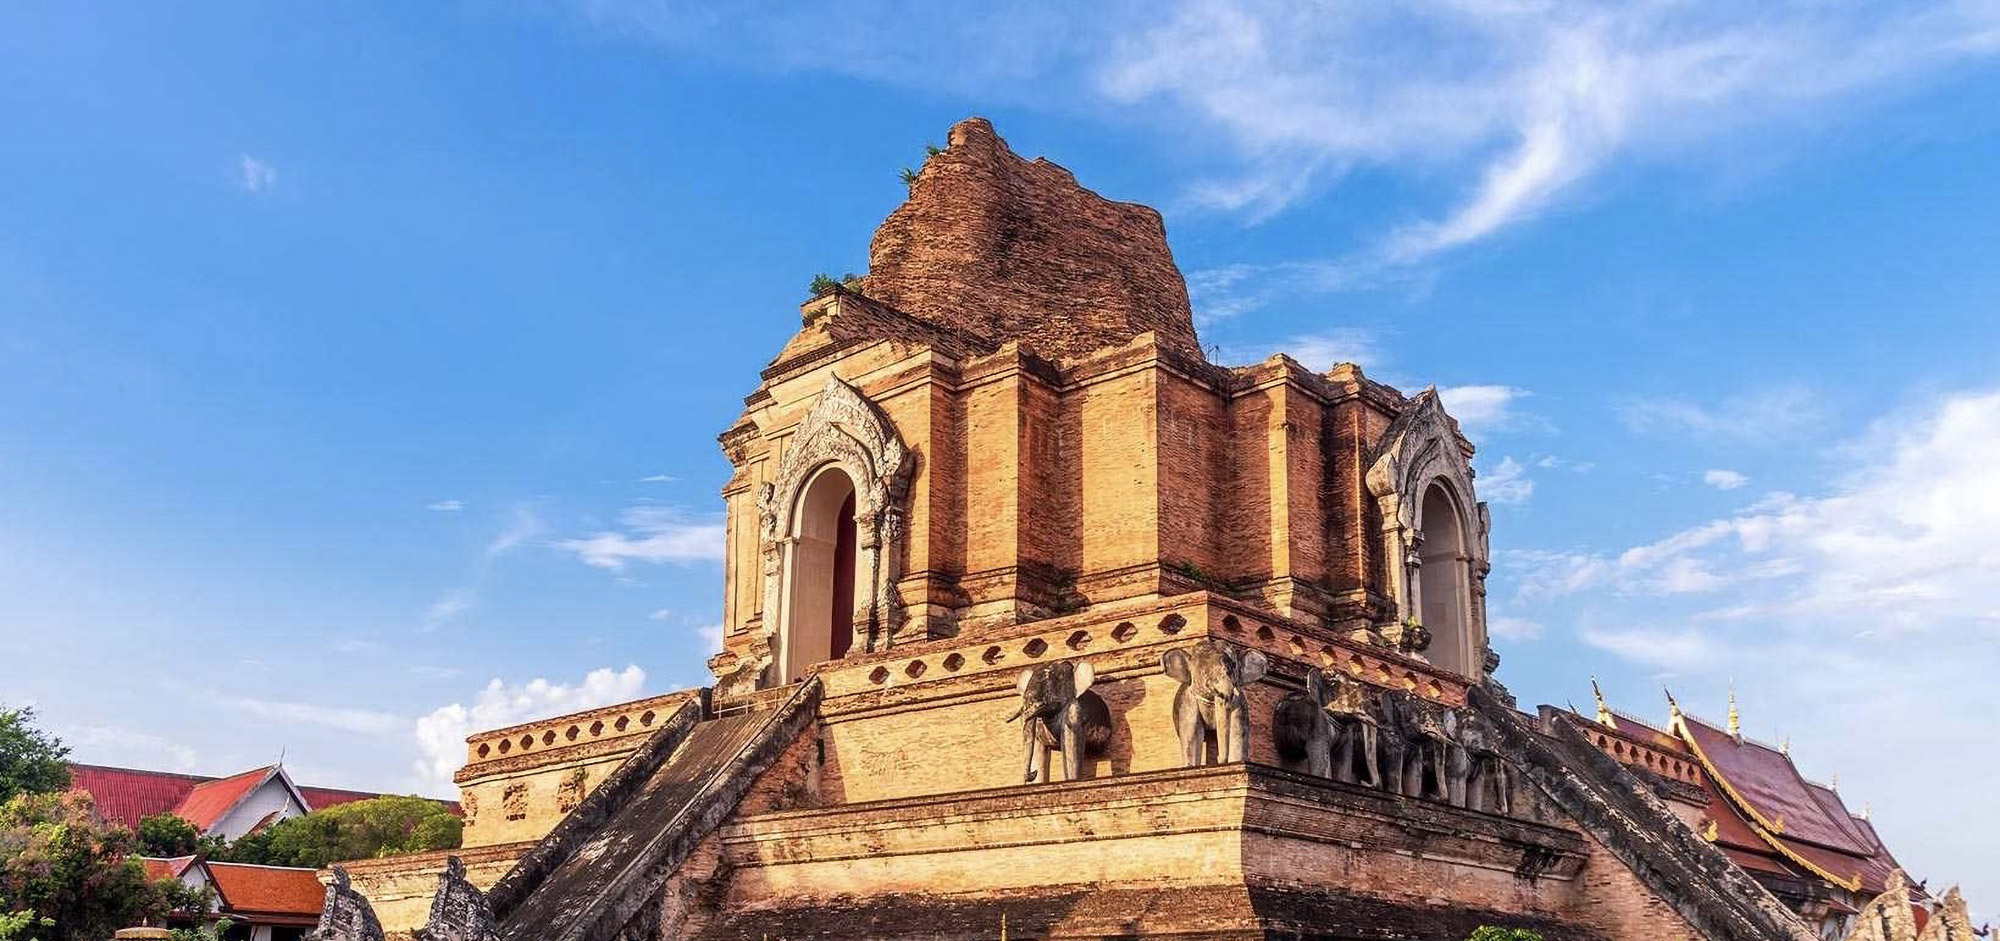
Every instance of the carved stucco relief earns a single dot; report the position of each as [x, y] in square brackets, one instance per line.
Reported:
[1419, 449]
[843, 429]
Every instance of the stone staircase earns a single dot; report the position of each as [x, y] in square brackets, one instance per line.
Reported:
[1619, 810]
[612, 854]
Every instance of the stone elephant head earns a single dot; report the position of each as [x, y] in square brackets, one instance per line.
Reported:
[1302, 728]
[1060, 713]
[1214, 677]
[1487, 782]
[1421, 745]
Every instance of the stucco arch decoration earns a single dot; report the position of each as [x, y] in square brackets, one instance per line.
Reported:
[846, 430]
[1421, 448]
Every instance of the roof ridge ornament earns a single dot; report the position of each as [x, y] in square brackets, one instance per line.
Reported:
[1604, 716]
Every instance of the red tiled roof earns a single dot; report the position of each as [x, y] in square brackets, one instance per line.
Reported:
[127, 795]
[1767, 780]
[268, 891]
[158, 868]
[209, 801]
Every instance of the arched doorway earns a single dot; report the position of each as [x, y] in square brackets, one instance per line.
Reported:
[819, 621]
[1444, 583]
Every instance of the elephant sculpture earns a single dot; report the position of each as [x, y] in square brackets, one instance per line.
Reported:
[1060, 713]
[1303, 729]
[1214, 677]
[1487, 784]
[1356, 755]
[1426, 748]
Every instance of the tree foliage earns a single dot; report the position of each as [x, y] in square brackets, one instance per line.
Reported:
[1490, 933]
[165, 834]
[80, 879]
[31, 761]
[382, 826]
[824, 284]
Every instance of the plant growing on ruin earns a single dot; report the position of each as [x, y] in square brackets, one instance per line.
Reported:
[1490, 933]
[824, 284]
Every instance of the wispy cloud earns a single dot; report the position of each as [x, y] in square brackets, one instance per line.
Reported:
[341, 718]
[1488, 408]
[652, 534]
[524, 523]
[1871, 604]
[441, 735]
[1506, 482]
[1767, 416]
[254, 175]
[1722, 479]
[446, 506]
[658, 479]
[450, 606]
[1318, 351]
[1503, 109]
[109, 744]
[1514, 629]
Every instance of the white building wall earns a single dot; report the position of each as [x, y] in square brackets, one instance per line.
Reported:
[273, 795]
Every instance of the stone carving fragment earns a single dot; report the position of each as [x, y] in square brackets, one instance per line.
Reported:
[1059, 713]
[1888, 917]
[458, 910]
[1357, 746]
[346, 914]
[1213, 677]
[1414, 746]
[1301, 727]
[1950, 922]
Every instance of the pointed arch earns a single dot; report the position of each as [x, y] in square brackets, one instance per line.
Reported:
[1422, 483]
[847, 434]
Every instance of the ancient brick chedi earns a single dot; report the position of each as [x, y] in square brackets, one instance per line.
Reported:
[1037, 621]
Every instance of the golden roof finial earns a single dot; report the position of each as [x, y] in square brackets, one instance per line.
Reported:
[1735, 721]
[1673, 708]
[1785, 747]
[1866, 808]
[1604, 717]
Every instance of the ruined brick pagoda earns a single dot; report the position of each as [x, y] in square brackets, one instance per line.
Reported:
[1036, 618]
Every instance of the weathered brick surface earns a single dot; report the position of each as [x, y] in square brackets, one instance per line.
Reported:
[996, 246]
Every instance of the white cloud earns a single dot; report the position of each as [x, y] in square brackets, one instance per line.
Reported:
[110, 745]
[449, 607]
[661, 614]
[1318, 351]
[1674, 649]
[356, 721]
[446, 506]
[1540, 574]
[255, 175]
[711, 635]
[523, 524]
[1507, 482]
[1514, 629]
[1724, 479]
[1868, 613]
[1770, 415]
[651, 534]
[441, 734]
[1483, 407]
[658, 479]
[1502, 109]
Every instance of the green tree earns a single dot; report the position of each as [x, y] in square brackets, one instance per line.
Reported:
[383, 826]
[165, 834]
[214, 931]
[31, 761]
[82, 880]
[1490, 933]
[22, 926]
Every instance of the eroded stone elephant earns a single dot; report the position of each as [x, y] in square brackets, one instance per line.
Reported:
[1301, 727]
[1060, 713]
[1482, 781]
[1415, 746]
[1214, 676]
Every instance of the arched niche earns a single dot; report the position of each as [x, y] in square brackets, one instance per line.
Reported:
[1422, 484]
[844, 475]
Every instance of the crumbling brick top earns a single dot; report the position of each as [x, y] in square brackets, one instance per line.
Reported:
[1002, 248]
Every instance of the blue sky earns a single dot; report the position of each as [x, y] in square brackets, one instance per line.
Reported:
[360, 365]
